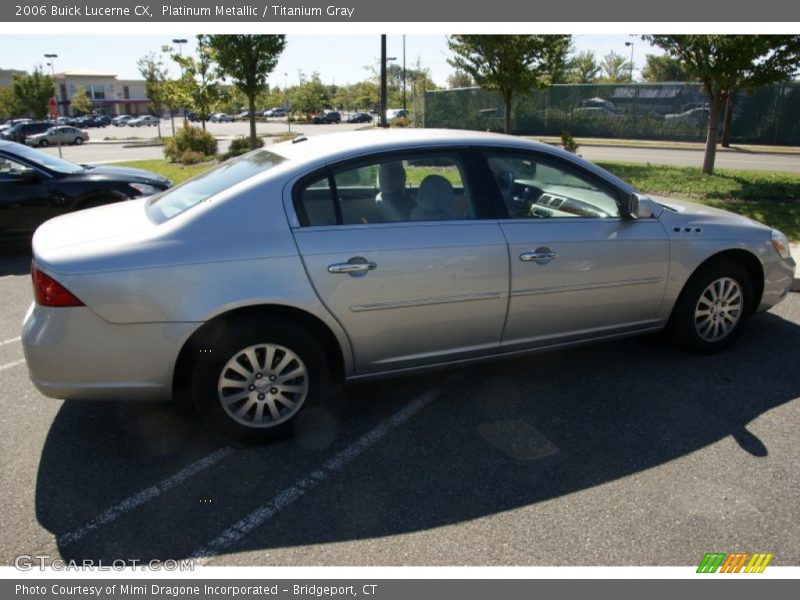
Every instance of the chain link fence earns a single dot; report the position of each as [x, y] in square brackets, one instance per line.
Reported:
[666, 111]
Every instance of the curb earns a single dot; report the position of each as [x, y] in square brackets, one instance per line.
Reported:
[554, 141]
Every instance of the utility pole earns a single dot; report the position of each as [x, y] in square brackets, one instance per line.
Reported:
[52, 64]
[180, 42]
[384, 122]
[404, 72]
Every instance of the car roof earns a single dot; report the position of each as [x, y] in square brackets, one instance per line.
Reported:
[318, 150]
[339, 145]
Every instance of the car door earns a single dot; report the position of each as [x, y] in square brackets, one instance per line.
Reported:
[578, 269]
[23, 191]
[399, 252]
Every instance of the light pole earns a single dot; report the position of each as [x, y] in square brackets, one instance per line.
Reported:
[181, 42]
[404, 72]
[631, 64]
[52, 64]
[286, 103]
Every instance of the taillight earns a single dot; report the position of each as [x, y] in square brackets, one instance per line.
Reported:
[48, 292]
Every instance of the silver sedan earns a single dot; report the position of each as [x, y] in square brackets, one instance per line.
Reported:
[58, 135]
[256, 288]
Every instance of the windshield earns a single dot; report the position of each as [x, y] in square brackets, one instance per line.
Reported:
[194, 191]
[47, 161]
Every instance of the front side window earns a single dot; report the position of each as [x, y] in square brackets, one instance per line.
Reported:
[536, 187]
[396, 189]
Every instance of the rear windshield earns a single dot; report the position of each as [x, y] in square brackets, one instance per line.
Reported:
[194, 191]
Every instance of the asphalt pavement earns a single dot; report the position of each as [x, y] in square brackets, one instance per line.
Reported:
[625, 453]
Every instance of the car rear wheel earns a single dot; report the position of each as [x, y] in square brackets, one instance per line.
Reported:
[251, 379]
[713, 307]
[78, 141]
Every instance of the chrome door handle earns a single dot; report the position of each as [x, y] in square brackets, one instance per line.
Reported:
[352, 267]
[540, 255]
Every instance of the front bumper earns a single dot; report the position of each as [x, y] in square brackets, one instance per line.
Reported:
[74, 354]
[778, 280]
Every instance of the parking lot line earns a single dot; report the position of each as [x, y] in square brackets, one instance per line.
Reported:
[310, 480]
[12, 364]
[11, 341]
[151, 493]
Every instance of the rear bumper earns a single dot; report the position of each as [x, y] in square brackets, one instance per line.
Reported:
[74, 354]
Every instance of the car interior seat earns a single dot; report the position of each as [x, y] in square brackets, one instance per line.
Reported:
[393, 201]
[434, 199]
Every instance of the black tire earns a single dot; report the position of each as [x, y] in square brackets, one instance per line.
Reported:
[44, 144]
[222, 342]
[684, 328]
[78, 141]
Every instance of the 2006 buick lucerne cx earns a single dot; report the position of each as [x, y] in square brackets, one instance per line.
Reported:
[257, 287]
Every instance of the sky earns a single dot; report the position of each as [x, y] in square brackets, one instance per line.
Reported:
[337, 58]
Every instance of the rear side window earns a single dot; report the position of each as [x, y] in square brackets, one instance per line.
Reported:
[194, 191]
[393, 189]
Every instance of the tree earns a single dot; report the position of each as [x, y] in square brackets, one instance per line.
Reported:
[80, 101]
[459, 79]
[33, 91]
[9, 106]
[616, 68]
[725, 63]
[509, 64]
[154, 73]
[366, 94]
[662, 67]
[175, 97]
[247, 60]
[311, 96]
[584, 67]
[201, 79]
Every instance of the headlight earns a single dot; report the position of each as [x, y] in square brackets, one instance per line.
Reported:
[145, 189]
[781, 243]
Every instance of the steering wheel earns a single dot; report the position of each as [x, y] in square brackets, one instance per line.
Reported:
[505, 182]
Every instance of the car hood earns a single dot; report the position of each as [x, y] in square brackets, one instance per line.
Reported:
[128, 174]
[688, 214]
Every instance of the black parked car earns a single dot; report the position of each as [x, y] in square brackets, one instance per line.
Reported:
[360, 118]
[21, 131]
[36, 186]
[331, 116]
[197, 117]
[94, 121]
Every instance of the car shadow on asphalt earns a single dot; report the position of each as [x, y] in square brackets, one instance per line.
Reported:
[498, 437]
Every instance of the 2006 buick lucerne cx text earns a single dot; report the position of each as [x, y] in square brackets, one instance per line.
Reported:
[259, 286]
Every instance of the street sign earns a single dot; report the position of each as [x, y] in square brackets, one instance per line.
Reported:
[52, 108]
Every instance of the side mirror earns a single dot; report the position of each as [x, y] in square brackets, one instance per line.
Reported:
[630, 207]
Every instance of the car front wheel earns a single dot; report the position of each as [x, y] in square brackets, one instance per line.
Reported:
[44, 143]
[78, 141]
[713, 307]
[251, 379]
